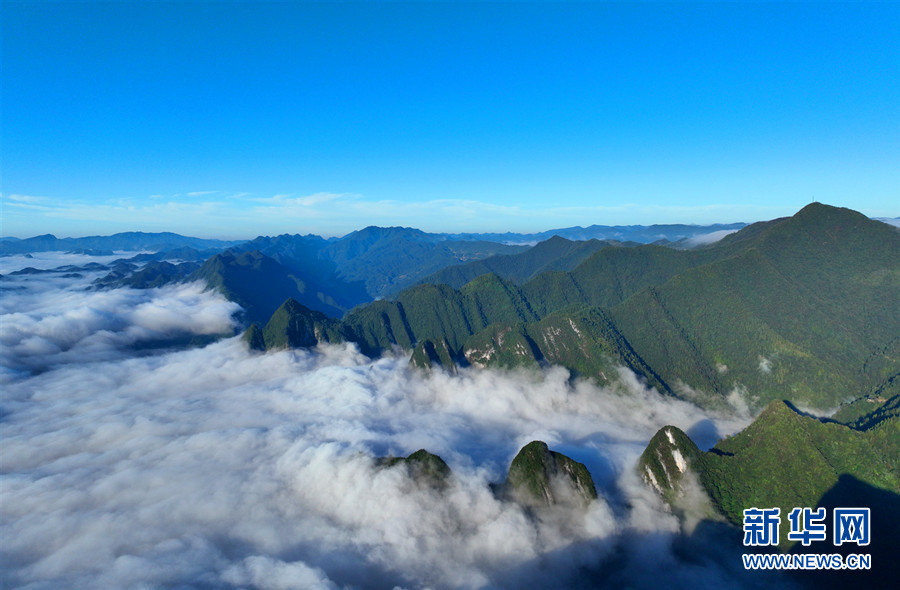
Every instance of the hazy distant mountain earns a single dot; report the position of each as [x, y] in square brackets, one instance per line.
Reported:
[154, 269]
[181, 254]
[644, 234]
[134, 241]
[330, 276]
[294, 251]
[260, 284]
[801, 307]
[391, 258]
[382, 259]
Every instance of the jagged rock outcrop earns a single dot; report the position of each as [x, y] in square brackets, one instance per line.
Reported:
[667, 461]
[429, 354]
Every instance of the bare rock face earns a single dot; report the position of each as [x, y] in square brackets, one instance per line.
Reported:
[666, 462]
[429, 354]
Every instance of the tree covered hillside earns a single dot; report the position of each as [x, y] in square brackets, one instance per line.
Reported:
[802, 308]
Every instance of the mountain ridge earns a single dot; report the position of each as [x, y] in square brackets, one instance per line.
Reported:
[713, 320]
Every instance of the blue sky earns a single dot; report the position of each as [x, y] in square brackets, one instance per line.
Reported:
[239, 119]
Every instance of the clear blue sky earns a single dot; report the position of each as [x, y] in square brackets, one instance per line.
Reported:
[239, 119]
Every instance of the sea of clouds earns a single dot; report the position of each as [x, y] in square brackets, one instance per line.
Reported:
[129, 465]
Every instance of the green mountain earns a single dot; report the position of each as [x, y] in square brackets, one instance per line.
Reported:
[438, 312]
[424, 467]
[668, 461]
[540, 477]
[537, 476]
[859, 413]
[783, 459]
[555, 253]
[429, 354]
[582, 339]
[254, 338]
[295, 326]
[802, 308]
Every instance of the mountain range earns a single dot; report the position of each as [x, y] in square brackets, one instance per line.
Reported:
[800, 311]
[644, 234]
[330, 275]
[127, 241]
[155, 242]
[802, 308]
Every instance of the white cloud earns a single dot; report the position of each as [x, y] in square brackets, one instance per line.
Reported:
[23, 198]
[49, 260]
[710, 238]
[218, 467]
[286, 202]
[49, 320]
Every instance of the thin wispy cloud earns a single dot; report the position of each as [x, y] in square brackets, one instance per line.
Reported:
[23, 198]
[710, 238]
[214, 214]
[286, 201]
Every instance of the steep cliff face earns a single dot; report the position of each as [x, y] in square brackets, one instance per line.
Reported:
[669, 459]
[429, 354]
[254, 338]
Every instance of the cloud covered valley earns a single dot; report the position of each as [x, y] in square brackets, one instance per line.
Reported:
[129, 461]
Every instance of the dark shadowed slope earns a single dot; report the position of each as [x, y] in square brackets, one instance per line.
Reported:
[372, 262]
[260, 284]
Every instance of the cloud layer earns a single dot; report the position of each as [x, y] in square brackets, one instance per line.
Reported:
[49, 319]
[215, 466]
